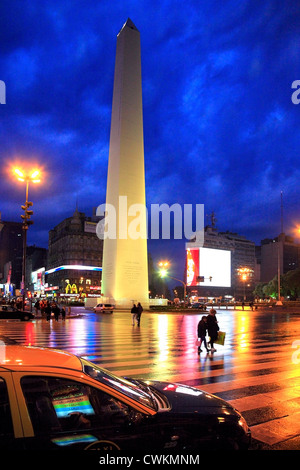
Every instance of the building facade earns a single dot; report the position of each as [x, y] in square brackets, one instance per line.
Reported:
[36, 262]
[11, 256]
[281, 252]
[74, 264]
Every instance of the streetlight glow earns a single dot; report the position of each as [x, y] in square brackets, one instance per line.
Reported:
[164, 273]
[163, 264]
[20, 174]
[26, 178]
[32, 176]
[244, 273]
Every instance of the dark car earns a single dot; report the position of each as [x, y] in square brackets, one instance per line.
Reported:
[199, 306]
[51, 399]
[9, 312]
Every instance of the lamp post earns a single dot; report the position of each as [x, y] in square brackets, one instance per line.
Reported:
[244, 278]
[244, 273]
[163, 273]
[34, 178]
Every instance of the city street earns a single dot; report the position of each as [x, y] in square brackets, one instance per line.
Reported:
[257, 369]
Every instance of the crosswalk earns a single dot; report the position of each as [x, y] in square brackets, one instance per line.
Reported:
[255, 370]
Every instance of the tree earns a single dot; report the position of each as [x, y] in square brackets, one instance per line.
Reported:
[271, 288]
[291, 282]
[259, 290]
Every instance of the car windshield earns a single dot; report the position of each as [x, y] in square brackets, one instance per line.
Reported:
[138, 393]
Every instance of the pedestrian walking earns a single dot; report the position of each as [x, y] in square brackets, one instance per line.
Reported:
[212, 328]
[43, 305]
[63, 313]
[37, 307]
[56, 311]
[202, 329]
[139, 313]
[47, 310]
[134, 312]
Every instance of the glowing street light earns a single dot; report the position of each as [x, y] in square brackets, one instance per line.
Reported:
[32, 177]
[244, 273]
[164, 273]
[163, 264]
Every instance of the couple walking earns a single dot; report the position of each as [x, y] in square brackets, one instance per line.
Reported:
[210, 325]
[136, 313]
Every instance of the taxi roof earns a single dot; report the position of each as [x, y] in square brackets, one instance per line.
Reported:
[13, 357]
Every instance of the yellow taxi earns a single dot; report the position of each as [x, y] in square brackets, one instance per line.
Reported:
[51, 399]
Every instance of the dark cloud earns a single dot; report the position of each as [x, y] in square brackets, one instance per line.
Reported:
[220, 127]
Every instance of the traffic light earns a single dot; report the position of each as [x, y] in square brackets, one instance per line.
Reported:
[27, 214]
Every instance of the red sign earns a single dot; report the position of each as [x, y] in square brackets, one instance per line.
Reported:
[192, 267]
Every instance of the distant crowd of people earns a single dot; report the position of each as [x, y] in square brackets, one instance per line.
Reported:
[47, 308]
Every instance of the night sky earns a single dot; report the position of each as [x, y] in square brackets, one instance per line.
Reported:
[220, 127]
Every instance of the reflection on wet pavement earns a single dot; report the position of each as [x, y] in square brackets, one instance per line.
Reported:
[257, 369]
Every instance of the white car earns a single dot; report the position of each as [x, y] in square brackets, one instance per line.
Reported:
[104, 308]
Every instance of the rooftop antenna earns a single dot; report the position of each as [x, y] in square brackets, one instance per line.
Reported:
[278, 254]
[213, 219]
[281, 210]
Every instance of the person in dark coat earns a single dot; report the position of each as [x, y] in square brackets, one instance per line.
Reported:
[48, 311]
[134, 312]
[202, 329]
[63, 313]
[212, 328]
[139, 313]
[56, 312]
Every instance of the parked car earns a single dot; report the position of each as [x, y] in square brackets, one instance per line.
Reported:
[12, 313]
[104, 308]
[51, 399]
[199, 306]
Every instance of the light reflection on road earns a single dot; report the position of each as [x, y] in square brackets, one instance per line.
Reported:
[164, 344]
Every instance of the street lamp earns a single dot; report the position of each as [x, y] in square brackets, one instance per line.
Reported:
[244, 273]
[164, 272]
[32, 177]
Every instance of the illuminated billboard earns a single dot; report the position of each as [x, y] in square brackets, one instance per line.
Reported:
[208, 267]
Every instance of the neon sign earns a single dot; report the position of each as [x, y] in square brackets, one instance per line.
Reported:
[74, 267]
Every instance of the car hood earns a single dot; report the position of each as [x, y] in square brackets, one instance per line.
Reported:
[183, 398]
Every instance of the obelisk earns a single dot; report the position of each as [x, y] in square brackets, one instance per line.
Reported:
[125, 259]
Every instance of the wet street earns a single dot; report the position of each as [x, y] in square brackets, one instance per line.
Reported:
[257, 370]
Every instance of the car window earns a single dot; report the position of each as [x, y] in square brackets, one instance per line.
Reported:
[130, 389]
[6, 426]
[60, 405]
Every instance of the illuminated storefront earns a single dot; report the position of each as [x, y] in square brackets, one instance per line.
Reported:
[75, 257]
[75, 281]
[38, 281]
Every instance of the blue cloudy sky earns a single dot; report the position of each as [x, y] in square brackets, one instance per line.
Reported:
[220, 128]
